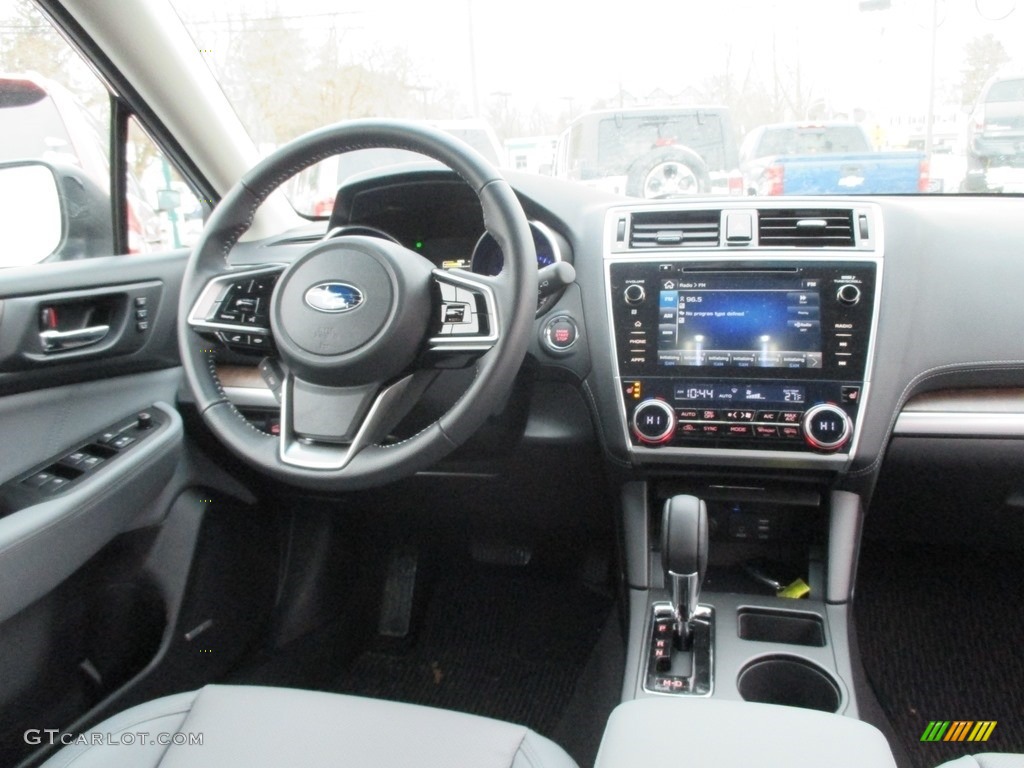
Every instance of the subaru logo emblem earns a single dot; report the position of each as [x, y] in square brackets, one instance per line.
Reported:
[334, 297]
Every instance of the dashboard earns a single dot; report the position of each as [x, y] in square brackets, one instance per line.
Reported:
[738, 334]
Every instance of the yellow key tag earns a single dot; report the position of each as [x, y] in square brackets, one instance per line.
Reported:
[795, 590]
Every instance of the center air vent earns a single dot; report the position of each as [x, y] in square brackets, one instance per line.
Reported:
[805, 227]
[674, 229]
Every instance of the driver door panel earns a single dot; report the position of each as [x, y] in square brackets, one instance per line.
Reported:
[59, 403]
[53, 404]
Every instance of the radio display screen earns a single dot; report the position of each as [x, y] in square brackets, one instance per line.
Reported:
[702, 324]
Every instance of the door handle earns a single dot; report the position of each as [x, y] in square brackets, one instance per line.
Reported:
[55, 341]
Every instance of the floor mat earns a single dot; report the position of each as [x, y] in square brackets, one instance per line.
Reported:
[495, 642]
[940, 635]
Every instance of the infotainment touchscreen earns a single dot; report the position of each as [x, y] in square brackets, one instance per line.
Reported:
[718, 322]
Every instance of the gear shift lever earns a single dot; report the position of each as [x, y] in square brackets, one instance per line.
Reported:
[684, 555]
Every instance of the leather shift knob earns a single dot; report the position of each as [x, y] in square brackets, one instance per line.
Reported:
[684, 536]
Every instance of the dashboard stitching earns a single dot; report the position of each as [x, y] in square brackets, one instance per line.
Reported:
[940, 370]
[211, 362]
[232, 238]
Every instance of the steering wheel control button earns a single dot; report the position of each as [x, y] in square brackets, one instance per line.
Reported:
[272, 375]
[460, 313]
[560, 334]
[827, 427]
[654, 422]
[243, 302]
[848, 294]
[634, 294]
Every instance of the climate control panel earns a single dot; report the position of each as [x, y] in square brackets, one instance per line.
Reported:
[755, 414]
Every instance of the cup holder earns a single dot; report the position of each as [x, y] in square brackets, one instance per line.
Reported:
[791, 681]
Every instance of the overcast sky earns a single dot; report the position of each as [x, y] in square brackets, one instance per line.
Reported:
[544, 50]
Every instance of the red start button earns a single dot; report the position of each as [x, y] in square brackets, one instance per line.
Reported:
[560, 334]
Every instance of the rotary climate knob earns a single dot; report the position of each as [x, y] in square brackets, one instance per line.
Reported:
[654, 422]
[827, 427]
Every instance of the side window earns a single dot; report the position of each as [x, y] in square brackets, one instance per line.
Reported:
[162, 211]
[55, 164]
[55, 127]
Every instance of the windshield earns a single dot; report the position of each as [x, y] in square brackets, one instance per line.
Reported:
[614, 102]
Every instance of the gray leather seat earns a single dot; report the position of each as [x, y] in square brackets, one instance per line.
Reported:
[987, 760]
[253, 727]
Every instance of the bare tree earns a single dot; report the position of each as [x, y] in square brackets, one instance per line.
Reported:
[984, 55]
[30, 44]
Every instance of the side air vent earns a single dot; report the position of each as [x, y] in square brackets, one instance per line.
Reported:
[805, 227]
[674, 229]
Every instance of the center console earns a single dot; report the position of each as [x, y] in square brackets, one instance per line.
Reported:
[726, 352]
[742, 341]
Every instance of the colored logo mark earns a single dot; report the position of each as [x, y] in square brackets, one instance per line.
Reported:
[334, 297]
[958, 730]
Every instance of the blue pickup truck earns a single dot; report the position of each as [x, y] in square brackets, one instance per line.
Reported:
[826, 158]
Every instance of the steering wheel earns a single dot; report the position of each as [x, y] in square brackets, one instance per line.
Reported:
[361, 325]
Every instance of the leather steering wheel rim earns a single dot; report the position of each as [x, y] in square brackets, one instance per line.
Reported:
[514, 291]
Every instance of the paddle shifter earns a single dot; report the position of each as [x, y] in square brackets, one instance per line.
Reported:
[684, 556]
[681, 630]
